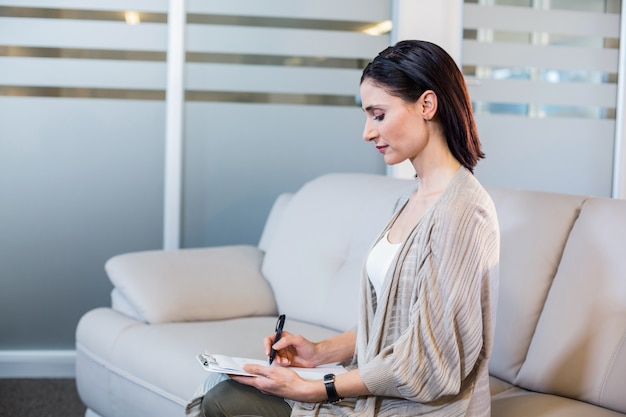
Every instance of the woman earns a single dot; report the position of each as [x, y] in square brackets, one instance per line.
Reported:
[428, 294]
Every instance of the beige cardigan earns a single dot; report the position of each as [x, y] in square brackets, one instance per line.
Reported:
[424, 351]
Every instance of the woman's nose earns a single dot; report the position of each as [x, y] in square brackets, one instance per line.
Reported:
[369, 133]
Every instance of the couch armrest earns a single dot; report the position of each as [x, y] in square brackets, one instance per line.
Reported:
[193, 284]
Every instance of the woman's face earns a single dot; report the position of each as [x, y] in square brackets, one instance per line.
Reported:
[396, 127]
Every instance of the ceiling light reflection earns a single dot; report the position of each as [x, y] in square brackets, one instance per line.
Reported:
[379, 28]
[132, 18]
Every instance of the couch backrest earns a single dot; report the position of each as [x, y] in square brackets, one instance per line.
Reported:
[534, 227]
[274, 219]
[315, 254]
[579, 346]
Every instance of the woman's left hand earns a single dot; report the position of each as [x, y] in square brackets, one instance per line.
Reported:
[282, 382]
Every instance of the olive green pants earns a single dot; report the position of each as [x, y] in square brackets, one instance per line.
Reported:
[232, 399]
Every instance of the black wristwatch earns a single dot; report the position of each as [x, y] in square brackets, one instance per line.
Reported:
[331, 391]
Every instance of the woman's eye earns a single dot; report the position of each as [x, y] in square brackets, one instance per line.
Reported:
[379, 117]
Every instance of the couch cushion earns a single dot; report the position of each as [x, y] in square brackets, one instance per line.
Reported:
[534, 227]
[192, 284]
[521, 403]
[315, 258]
[129, 368]
[579, 346]
[496, 386]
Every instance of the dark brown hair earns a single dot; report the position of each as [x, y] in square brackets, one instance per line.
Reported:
[411, 67]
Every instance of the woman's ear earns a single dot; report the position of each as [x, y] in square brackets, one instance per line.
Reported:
[428, 101]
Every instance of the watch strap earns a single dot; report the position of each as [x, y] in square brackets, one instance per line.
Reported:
[331, 391]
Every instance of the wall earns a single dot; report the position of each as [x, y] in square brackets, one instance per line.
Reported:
[439, 22]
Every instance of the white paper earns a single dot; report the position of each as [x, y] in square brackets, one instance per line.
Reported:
[234, 366]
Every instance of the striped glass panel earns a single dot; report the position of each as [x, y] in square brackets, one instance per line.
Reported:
[270, 103]
[86, 53]
[537, 46]
[82, 115]
[544, 59]
[330, 10]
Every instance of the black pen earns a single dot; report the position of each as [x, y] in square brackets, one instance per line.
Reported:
[279, 332]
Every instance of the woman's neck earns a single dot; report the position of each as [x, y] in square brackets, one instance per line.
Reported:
[435, 176]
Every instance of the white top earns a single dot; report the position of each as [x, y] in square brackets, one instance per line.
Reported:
[379, 261]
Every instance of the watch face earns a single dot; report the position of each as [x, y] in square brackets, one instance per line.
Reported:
[329, 377]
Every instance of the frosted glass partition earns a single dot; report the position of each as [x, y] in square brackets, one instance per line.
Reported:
[82, 112]
[543, 80]
[270, 104]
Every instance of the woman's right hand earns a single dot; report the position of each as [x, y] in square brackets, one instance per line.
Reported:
[292, 350]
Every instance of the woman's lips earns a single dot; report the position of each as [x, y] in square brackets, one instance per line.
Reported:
[381, 149]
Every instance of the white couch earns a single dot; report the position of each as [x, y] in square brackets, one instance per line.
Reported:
[560, 346]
